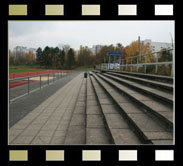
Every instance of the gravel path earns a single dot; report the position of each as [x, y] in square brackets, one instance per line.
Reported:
[21, 107]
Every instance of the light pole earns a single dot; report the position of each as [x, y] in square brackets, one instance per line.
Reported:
[139, 42]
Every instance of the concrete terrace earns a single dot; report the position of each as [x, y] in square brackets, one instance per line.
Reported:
[104, 108]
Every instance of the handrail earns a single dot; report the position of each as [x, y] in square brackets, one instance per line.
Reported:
[28, 91]
[21, 78]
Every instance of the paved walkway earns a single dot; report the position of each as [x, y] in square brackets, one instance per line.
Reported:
[48, 123]
[21, 107]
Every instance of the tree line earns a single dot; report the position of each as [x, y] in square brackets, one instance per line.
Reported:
[19, 58]
[51, 57]
[65, 57]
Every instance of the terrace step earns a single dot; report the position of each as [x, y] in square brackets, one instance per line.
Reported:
[76, 130]
[164, 79]
[97, 131]
[148, 127]
[118, 127]
[160, 111]
[144, 90]
[149, 83]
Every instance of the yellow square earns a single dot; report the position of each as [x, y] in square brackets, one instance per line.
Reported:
[90, 9]
[54, 10]
[54, 155]
[15, 10]
[18, 155]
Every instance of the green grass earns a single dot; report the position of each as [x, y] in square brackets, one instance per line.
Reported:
[89, 68]
[23, 70]
[19, 69]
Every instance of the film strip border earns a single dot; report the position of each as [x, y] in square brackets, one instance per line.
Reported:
[117, 9]
[89, 155]
[91, 10]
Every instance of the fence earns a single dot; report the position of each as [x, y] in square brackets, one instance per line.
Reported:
[160, 63]
[28, 84]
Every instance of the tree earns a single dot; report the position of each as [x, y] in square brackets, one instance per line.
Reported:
[64, 47]
[101, 56]
[46, 57]
[165, 55]
[39, 56]
[19, 58]
[61, 58]
[55, 55]
[11, 58]
[30, 58]
[85, 56]
[70, 58]
[133, 50]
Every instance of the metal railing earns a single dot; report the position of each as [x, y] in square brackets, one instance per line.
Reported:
[151, 63]
[37, 82]
[146, 62]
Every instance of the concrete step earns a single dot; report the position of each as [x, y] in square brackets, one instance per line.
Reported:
[119, 129]
[145, 126]
[149, 91]
[165, 79]
[76, 130]
[149, 83]
[152, 107]
[97, 131]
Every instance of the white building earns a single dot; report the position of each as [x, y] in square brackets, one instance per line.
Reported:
[157, 46]
[21, 49]
[96, 49]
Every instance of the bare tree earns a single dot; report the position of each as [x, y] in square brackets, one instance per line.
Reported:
[65, 47]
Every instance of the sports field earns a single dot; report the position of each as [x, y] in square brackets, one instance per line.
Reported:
[24, 68]
[18, 72]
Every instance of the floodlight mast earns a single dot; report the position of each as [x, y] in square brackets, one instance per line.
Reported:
[139, 43]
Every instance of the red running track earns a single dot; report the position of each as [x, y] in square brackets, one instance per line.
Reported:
[20, 83]
[25, 74]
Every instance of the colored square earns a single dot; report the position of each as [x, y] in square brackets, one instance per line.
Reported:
[127, 155]
[164, 155]
[90, 10]
[91, 155]
[54, 155]
[163, 10]
[54, 10]
[127, 10]
[15, 10]
[18, 155]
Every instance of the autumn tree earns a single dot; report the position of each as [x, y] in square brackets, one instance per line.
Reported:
[101, 56]
[133, 50]
[30, 58]
[85, 56]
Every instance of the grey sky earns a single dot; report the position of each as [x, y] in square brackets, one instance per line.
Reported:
[75, 33]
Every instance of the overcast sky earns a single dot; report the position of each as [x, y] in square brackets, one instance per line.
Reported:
[75, 33]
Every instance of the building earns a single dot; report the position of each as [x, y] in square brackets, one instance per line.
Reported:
[96, 49]
[21, 50]
[157, 46]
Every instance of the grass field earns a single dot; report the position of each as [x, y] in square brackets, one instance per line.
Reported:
[23, 70]
[20, 69]
[89, 68]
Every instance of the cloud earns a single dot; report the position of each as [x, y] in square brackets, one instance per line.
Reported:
[75, 33]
